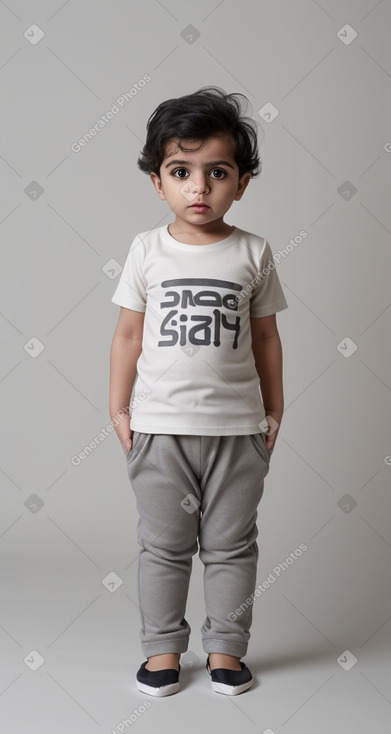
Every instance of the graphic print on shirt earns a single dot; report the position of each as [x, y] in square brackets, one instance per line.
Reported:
[189, 326]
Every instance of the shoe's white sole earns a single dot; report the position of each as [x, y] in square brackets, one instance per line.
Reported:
[230, 690]
[158, 692]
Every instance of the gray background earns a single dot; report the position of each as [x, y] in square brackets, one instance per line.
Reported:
[65, 529]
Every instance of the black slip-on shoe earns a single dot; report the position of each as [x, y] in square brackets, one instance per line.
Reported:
[157, 682]
[230, 682]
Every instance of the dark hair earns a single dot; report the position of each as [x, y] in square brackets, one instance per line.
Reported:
[207, 112]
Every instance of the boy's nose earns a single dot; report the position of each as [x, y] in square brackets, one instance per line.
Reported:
[199, 186]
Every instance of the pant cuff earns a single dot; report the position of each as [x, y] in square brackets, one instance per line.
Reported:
[236, 649]
[165, 646]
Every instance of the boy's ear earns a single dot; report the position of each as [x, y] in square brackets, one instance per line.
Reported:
[242, 185]
[158, 185]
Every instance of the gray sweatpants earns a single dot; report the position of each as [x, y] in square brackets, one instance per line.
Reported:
[190, 490]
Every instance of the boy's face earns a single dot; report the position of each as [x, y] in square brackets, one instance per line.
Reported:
[209, 175]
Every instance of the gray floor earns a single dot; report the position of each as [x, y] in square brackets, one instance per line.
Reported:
[319, 649]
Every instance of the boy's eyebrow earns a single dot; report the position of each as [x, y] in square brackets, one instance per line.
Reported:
[211, 163]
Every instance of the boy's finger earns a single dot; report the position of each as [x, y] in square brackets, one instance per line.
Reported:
[127, 444]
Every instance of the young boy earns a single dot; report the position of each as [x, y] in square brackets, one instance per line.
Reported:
[205, 368]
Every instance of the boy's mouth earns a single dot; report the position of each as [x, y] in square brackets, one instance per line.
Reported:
[200, 207]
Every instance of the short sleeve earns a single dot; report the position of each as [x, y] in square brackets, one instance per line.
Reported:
[267, 297]
[131, 291]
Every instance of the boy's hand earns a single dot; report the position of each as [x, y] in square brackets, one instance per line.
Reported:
[125, 434]
[127, 441]
[274, 420]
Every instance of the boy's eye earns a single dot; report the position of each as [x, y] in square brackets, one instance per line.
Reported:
[177, 170]
[183, 170]
[219, 170]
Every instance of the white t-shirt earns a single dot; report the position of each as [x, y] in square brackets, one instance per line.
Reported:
[196, 373]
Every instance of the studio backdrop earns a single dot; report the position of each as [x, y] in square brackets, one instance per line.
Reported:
[78, 81]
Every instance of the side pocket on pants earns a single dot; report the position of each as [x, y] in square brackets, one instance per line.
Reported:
[258, 441]
[135, 445]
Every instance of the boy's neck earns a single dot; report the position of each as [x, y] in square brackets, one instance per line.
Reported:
[189, 235]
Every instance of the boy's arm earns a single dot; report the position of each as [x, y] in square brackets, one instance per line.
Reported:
[267, 350]
[125, 350]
